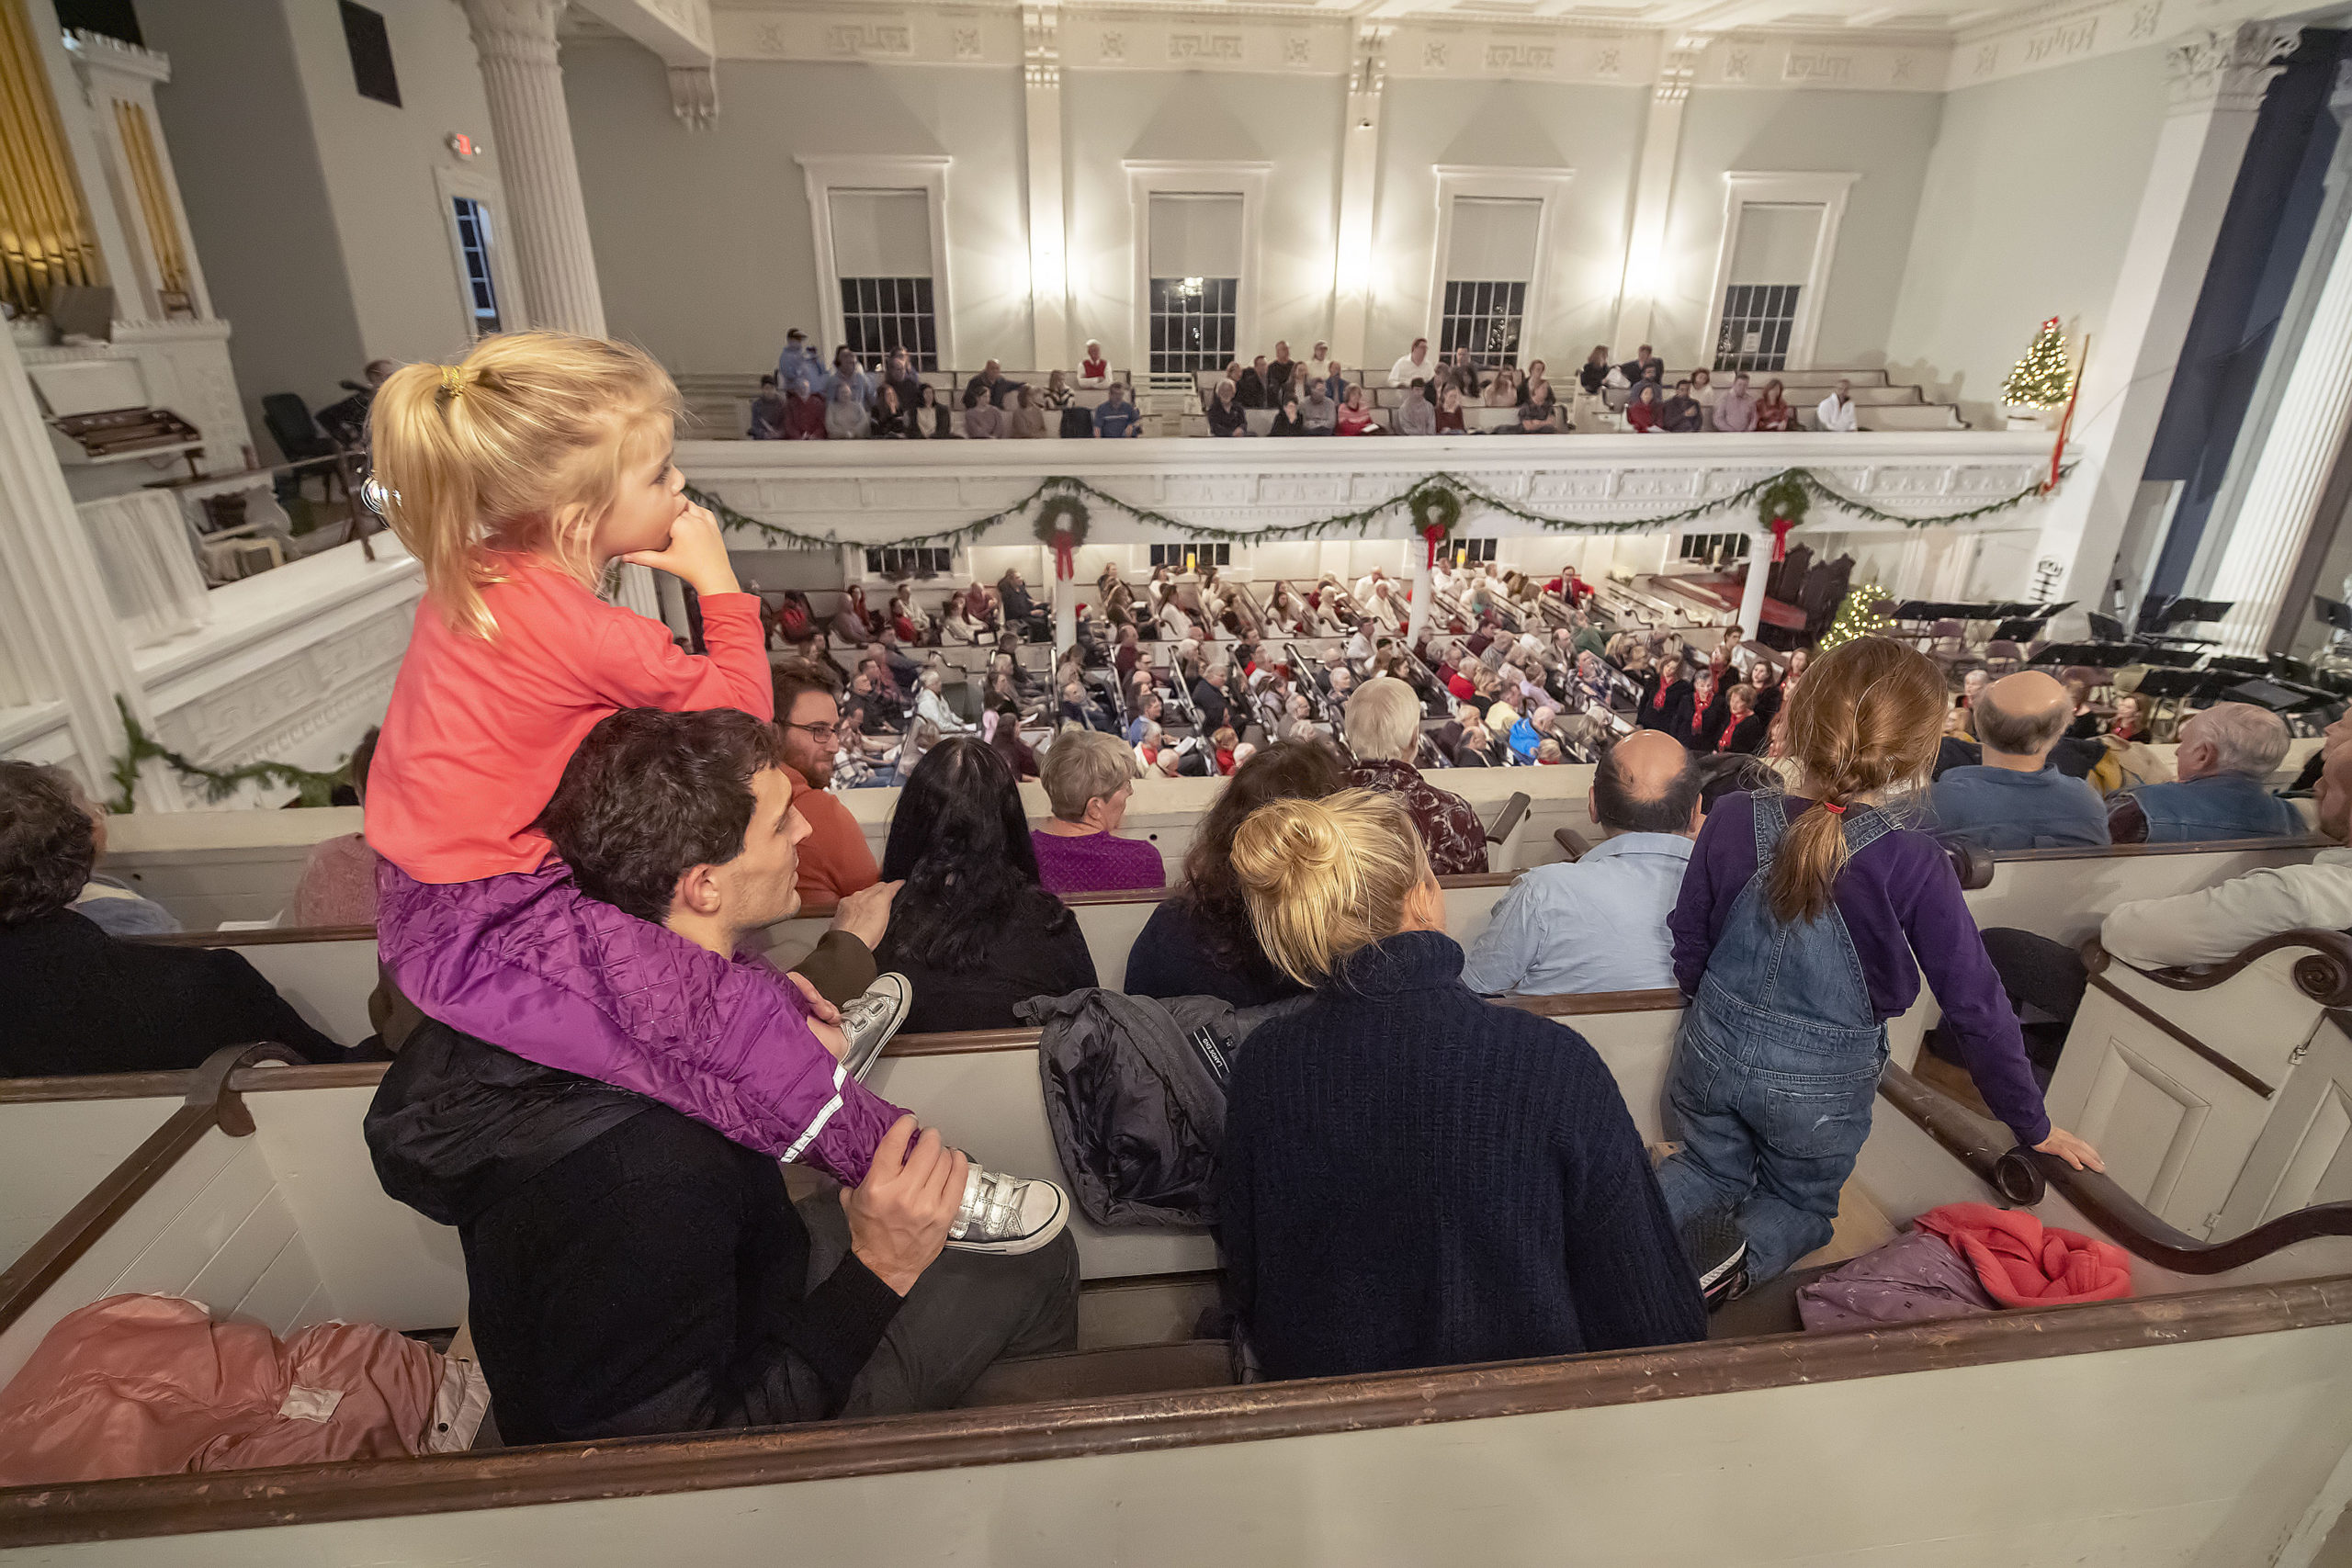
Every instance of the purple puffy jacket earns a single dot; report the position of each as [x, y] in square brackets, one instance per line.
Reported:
[530, 964]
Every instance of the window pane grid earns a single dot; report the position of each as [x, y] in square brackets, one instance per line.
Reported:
[1192, 323]
[879, 314]
[473, 244]
[913, 560]
[1185, 557]
[1757, 319]
[1483, 317]
[1725, 547]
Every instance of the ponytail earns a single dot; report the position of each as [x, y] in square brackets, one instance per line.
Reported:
[520, 446]
[1865, 719]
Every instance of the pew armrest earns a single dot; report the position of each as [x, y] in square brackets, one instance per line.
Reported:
[2323, 973]
[1514, 811]
[1572, 843]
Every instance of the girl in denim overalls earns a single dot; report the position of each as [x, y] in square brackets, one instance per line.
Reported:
[1804, 924]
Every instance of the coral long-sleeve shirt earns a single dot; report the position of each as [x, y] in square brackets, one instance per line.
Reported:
[479, 733]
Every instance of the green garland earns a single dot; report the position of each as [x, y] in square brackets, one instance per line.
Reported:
[219, 783]
[1060, 489]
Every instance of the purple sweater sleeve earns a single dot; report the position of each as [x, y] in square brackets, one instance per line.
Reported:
[1720, 863]
[1952, 954]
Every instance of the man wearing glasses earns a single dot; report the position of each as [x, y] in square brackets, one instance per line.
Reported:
[835, 859]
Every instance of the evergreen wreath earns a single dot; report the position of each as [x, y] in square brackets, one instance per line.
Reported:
[1061, 522]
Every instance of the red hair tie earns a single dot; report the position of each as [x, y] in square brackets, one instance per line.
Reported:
[1833, 808]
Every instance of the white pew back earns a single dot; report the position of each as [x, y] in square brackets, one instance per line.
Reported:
[55, 1150]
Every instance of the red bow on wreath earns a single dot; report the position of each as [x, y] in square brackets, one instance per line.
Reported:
[1065, 545]
[1435, 535]
[1781, 526]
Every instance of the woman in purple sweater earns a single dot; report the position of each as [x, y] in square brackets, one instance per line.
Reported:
[1805, 922]
[1089, 777]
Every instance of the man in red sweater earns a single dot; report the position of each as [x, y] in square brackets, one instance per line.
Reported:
[835, 859]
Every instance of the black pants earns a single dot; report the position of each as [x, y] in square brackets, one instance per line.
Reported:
[2044, 975]
[967, 1310]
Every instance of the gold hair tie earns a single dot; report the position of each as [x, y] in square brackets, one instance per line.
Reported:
[453, 380]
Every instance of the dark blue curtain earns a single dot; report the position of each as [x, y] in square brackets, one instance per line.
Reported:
[2272, 212]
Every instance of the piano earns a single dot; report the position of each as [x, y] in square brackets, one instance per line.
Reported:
[97, 411]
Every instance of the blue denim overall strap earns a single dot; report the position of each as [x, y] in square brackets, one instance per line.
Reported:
[1803, 974]
[1776, 1066]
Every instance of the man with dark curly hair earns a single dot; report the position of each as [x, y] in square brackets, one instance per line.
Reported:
[77, 1000]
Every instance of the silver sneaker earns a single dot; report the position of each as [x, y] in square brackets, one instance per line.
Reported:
[869, 1020]
[1008, 1213]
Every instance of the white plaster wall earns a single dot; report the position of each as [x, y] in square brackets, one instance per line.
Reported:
[1594, 130]
[235, 115]
[1293, 123]
[379, 164]
[702, 239]
[1887, 137]
[2023, 214]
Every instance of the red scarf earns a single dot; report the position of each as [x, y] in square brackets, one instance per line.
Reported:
[1660, 701]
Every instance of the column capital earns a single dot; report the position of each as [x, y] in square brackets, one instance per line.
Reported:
[2227, 68]
[515, 28]
[1679, 68]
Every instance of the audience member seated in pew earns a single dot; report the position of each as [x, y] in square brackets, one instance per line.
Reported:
[1412, 1177]
[1383, 721]
[107, 902]
[835, 861]
[1598, 923]
[1805, 923]
[1199, 941]
[2046, 978]
[338, 882]
[973, 929]
[77, 1000]
[1089, 779]
[2221, 783]
[2015, 799]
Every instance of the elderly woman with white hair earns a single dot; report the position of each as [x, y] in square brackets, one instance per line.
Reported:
[1383, 725]
[931, 703]
[1088, 778]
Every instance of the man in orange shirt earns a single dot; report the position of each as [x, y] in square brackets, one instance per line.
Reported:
[835, 859]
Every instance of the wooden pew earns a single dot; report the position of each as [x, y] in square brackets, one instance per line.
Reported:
[2231, 1380]
[2221, 1098]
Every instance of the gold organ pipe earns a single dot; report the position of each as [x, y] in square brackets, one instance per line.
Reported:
[45, 237]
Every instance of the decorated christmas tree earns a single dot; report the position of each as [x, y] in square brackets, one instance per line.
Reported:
[2041, 378]
[1862, 614]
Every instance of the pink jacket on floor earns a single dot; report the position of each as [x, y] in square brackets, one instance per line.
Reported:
[150, 1385]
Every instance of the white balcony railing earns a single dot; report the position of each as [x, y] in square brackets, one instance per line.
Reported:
[870, 492]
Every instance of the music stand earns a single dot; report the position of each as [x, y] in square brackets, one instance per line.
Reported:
[2331, 611]
[2158, 614]
[2023, 630]
[2092, 655]
[2106, 628]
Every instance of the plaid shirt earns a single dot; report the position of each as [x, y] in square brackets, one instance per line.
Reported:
[1450, 829]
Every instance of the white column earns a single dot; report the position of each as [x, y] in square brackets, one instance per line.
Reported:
[2297, 451]
[64, 637]
[1358, 175]
[2217, 79]
[531, 127]
[1048, 244]
[1759, 572]
[1417, 572]
[1653, 194]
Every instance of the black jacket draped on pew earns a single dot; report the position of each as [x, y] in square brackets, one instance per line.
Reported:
[74, 1000]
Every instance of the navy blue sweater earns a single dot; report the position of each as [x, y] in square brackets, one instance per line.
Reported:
[1416, 1177]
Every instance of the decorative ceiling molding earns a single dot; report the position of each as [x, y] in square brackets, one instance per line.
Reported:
[1897, 56]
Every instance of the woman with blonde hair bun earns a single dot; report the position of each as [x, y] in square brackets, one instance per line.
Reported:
[1413, 1177]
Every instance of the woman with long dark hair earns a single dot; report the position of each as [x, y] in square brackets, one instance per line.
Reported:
[973, 930]
[1199, 941]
